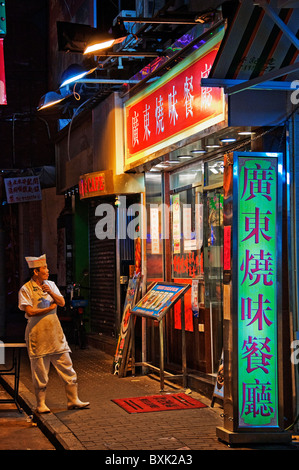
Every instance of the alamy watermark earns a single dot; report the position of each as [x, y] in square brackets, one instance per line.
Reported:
[131, 222]
[295, 353]
[295, 94]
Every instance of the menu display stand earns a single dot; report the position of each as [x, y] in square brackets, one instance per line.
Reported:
[154, 305]
[120, 361]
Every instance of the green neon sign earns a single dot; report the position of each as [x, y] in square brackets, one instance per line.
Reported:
[257, 290]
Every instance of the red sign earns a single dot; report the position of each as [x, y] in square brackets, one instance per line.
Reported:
[96, 184]
[174, 107]
[227, 247]
[2, 75]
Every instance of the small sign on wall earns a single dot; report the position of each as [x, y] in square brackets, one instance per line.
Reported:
[96, 184]
[23, 189]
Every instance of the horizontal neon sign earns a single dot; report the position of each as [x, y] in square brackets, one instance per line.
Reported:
[175, 106]
[96, 184]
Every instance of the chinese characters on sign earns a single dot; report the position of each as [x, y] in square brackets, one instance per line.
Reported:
[22, 189]
[257, 291]
[188, 265]
[173, 105]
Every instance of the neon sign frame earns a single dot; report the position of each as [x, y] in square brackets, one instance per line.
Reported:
[159, 116]
[257, 248]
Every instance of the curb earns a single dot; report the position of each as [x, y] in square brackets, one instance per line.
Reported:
[58, 434]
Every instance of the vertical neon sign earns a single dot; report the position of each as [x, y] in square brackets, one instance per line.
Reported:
[257, 278]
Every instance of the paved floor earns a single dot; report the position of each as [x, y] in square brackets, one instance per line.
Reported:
[18, 431]
[106, 426]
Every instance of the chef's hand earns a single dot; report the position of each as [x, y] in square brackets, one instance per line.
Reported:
[46, 288]
[58, 299]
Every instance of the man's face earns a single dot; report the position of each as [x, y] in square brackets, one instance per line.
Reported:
[42, 273]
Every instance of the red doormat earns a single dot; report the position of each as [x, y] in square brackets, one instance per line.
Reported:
[177, 401]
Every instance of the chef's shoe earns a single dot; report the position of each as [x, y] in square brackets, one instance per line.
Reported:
[40, 399]
[72, 397]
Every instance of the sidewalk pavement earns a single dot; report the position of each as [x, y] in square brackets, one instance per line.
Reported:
[107, 427]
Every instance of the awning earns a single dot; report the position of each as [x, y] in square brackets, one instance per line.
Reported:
[260, 43]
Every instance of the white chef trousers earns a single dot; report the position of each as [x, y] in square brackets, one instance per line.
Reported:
[40, 367]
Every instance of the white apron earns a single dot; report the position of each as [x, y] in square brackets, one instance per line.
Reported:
[44, 334]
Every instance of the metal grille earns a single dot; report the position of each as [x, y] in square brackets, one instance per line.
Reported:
[102, 278]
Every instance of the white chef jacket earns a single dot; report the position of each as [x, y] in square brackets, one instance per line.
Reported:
[44, 334]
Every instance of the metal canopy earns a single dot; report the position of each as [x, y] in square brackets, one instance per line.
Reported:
[259, 49]
[263, 82]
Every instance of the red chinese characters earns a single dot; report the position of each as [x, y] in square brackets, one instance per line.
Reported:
[172, 107]
[187, 265]
[22, 189]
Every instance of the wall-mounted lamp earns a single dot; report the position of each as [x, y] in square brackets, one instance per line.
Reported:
[50, 99]
[74, 73]
[101, 43]
[81, 38]
[54, 97]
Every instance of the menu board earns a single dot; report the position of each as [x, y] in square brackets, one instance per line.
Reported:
[159, 299]
[124, 336]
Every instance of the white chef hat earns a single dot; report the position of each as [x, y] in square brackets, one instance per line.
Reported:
[36, 262]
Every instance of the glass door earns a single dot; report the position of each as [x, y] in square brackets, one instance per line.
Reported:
[187, 236]
[213, 268]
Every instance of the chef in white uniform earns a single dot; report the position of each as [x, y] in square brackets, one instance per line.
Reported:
[46, 342]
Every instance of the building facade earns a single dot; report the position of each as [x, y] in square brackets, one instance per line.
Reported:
[158, 157]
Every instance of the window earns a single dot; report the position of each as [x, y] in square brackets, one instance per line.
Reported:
[187, 233]
[154, 242]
